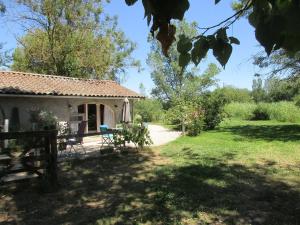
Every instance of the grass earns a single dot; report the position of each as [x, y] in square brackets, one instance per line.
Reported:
[242, 173]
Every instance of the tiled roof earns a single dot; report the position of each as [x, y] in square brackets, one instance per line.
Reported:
[38, 84]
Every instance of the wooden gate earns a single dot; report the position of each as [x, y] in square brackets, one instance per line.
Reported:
[25, 155]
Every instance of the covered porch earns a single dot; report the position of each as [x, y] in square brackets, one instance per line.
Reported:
[96, 113]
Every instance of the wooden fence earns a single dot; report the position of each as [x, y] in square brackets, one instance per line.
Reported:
[27, 155]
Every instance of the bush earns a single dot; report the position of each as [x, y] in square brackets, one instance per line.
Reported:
[242, 111]
[43, 120]
[261, 112]
[149, 109]
[136, 133]
[213, 105]
[233, 94]
[195, 122]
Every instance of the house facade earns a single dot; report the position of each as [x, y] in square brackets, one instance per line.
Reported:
[71, 100]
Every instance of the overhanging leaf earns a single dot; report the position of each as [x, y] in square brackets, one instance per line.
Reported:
[184, 44]
[184, 59]
[217, 1]
[234, 40]
[130, 2]
[222, 51]
[180, 7]
[200, 50]
[221, 34]
[166, 36]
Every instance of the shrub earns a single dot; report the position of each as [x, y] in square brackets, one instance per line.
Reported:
[195, 122]
[149, 109]
[213, 105]
[242, 111]
[136, 133]
[42, 119]
[261, 112]
[233, 94]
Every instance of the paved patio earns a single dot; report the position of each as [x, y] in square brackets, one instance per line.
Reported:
[158, 134]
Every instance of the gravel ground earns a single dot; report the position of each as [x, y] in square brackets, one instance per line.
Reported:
[161, 135]
[158, 134]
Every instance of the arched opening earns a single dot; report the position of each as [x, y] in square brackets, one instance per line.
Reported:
[96, 115]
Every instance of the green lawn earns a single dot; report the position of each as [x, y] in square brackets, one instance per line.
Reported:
[241, 173]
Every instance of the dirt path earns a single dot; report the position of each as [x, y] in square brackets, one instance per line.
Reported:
[161, 135]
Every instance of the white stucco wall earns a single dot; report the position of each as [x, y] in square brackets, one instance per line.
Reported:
[61, 107]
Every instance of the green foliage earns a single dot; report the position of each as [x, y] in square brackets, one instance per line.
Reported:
[72, 38]
[284, 112]
[195, 123]
[213, 105]
[258, 91]
[282, 89]
[276, 23]
[261, 112]
[5, 57]
[140, 135]
[196, 49]
[2, 7]
[297, 100]
[182, 113]
[279, 63]
[150, 110]
[170, 79]
[233, 94]
[42, 120]
[136, 133]
[238, 110]
[279, 111]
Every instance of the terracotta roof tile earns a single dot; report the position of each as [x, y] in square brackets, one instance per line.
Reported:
[39, 84]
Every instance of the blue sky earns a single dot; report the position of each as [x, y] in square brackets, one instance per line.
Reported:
[239, 70]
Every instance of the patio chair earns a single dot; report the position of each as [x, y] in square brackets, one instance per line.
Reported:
[107, 137]
[78, 139]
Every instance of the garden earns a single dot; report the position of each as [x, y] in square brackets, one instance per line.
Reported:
[244, 172]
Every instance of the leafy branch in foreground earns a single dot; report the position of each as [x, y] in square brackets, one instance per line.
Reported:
[276, 23]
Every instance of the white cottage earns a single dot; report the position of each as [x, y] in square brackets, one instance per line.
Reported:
[70, 99]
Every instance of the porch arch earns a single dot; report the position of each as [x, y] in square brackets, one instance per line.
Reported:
[96, 113]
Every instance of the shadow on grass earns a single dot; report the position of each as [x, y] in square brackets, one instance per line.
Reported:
[126, 190]
[267, 132]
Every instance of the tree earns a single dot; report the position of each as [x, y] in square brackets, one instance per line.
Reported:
[281, 89]
[280, 64]
[173, 81]
[258, 91]
[2, 7]
[72, 38]
[142, 89]
[149, 109]
[233, 94]
[4, 57]
[276, 23]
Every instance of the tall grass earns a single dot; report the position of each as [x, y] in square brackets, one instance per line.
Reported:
[242, 111]
[279, 111]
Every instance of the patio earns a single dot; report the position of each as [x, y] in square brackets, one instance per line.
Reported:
[92, 144]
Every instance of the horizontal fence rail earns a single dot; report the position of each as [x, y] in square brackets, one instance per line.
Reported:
[28, 154]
